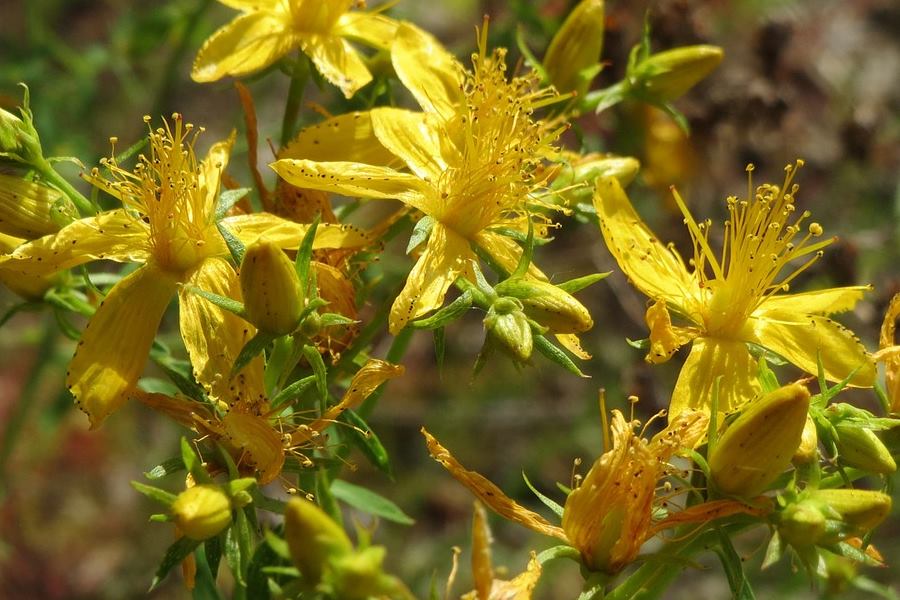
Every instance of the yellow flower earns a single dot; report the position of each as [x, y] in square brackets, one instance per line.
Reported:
[472, 154]
[268, 29]
[166, 224]
[730, 300]
[610, 515]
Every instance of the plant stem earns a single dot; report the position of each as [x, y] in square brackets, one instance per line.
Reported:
[294, 99]
[85, 207]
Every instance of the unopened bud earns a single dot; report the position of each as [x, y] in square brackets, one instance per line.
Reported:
[358, 575]
[30, 210]
[759, 444]
[802, 523]
[273, 295]
[555, 309]
[589, 168]
[666, 76]
[506, 322]
[862, 510]
[313, 539]
[808, 451]
[202, 511]
[860, 448]
[18, 138]
[573, 58]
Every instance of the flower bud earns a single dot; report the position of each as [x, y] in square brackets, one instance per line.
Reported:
[273, 295]
[202, 511]
[863, 510]
[18, 138]
[30, 210]
[667, 76]
[313, 539]
[759, 444]
[588, 168]
[573, 57]
[506, 322]
[861, 448]
[802, 523]
[808, 451]
[358, 575]
[555, 309]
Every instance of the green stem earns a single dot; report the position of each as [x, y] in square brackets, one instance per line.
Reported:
[653, 578]
[85, 207]
[294, 99]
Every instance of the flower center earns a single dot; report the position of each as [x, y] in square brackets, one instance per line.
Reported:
[317, 16]
[760, 240]
[164, 193]
[499, 148]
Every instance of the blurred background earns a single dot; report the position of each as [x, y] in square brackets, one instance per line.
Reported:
[818, 80]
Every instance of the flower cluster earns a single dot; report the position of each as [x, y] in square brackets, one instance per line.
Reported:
[274, 372]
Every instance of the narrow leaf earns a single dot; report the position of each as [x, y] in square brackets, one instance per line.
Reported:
[176, 553]
[367, 442]
[554, 353]
[369, 502]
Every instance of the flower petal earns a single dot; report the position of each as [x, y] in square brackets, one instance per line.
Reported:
[800, 338]
[211, 169]
[337, 61]
[489, 493]
[652, 268]
[819, 302]
[288, 235]
[252, 5]
[249, 43]
[214, 337]
[446, 257]
[375, 30]
[356, 180]
[414, 137]
[432, 74]
[116, 342]
[709, 358]
[112, 235]
[349, 137]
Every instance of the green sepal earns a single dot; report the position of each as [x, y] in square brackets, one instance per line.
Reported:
[561, 551]
[235, 246]
[227, 199]
[293, 391]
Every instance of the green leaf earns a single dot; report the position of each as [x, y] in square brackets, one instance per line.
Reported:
[527, 254]
[172, 465]
[279, 546]
[257, 578]
[205, 581]
[760, 352]
[548, 502]
[176, 553]
[420, 233]
[369, 502]
[530, 60]
[643, 344]
[318, 366]
[193, 463]
[223, 302]
[554, 353]
[561, 551]
[213, 550]
[228, 199]
[304, 258]
[579, 283]
[154, 493]
[235, 246]
[251, 350]
[734, 569]
[447, 314]
[326, 497]
[294, 390]
[365, 439]
[239, 485]
[774, 550]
